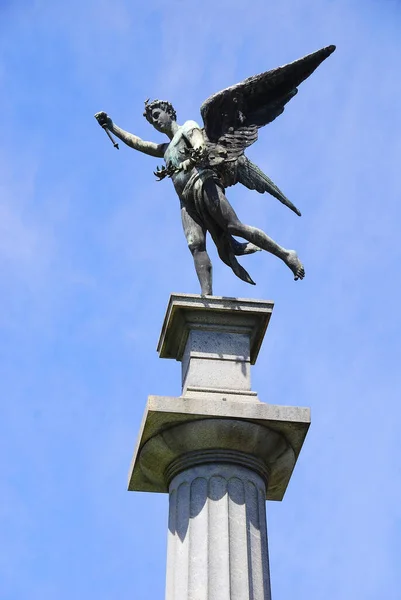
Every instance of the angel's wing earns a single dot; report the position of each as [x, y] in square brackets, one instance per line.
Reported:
[242, 170]
[256, 101]
[233, 116]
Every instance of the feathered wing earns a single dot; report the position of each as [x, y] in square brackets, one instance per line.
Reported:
[258, 100]
[253, 178]
[232, 166]
[233, 116]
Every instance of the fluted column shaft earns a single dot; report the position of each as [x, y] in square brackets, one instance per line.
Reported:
[217, 538]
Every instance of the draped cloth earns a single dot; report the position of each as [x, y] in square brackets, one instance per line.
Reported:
[201, 199]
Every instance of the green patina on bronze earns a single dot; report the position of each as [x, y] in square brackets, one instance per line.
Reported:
[203, 162]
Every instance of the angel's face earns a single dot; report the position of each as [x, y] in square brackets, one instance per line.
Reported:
[161, 120]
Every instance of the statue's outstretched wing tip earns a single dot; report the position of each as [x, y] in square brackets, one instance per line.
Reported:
[253, 178]
[326, 51]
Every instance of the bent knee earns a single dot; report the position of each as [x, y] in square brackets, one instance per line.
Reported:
[196, 245]
[235, 228]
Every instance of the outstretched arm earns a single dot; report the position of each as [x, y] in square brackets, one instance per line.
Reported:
[131, 140]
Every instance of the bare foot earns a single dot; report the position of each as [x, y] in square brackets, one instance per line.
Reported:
[295, 265]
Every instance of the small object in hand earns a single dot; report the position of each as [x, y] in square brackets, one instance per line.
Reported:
[104, 121]
[113, 141]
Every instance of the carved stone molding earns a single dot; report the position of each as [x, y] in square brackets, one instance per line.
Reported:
[224, 440]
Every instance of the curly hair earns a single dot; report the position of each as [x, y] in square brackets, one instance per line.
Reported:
[163, 105]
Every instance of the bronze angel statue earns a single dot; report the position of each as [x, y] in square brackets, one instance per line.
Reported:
[203, 162]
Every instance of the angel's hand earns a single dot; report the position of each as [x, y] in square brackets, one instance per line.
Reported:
[103, 119]
[186, 165]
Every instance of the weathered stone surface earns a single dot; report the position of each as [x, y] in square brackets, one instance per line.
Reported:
[216, 360]
[173, 428]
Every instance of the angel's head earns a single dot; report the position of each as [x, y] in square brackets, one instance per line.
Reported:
[160, 114]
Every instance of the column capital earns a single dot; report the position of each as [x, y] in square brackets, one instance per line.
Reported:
[177, 433]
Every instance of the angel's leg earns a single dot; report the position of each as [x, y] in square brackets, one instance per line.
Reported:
[196, 239]
[228, 219]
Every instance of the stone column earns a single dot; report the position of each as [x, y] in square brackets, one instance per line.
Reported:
[217, 450]
[217, 538]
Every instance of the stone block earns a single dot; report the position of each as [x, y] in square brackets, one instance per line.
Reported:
[216, 339]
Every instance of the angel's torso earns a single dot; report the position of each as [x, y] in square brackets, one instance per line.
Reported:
[177, 152]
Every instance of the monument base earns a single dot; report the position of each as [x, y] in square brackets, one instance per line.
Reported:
[217, 450]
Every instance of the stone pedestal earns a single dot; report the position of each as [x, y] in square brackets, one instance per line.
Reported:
[217, 450]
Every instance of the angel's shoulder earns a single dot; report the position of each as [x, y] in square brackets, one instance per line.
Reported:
[189, 125]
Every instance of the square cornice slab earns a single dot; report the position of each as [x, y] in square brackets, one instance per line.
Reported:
[214, 313]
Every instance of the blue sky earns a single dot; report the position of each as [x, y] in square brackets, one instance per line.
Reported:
[91, 247]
